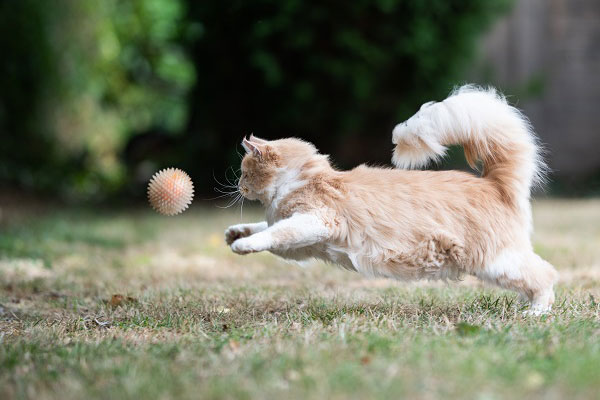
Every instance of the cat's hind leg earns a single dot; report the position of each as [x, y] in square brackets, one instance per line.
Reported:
[526, 273]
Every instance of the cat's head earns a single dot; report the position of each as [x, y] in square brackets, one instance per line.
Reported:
[270, 164]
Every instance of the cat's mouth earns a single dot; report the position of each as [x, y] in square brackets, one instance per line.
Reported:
[247, 193]
[244, 190]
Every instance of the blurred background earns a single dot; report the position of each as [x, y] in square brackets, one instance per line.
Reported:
[95, 96]
[102, 298]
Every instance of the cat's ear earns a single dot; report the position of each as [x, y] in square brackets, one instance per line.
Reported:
[251, 147]
[257, 140]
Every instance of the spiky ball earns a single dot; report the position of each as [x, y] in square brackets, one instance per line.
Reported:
[170, 191]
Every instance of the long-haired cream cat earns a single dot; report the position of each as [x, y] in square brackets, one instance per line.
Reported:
[406, 224]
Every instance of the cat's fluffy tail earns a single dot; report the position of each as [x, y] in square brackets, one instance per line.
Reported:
[489, 129]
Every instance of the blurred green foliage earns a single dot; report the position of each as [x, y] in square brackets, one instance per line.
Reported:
[340, 74]
[82, 80]
[78, 78]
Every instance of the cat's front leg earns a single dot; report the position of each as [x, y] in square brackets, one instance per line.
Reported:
[300, 230]
[235, 232]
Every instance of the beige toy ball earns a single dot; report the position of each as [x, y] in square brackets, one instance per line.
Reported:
[170, 191]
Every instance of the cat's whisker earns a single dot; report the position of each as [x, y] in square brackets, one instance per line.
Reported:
[236, 180]
[240, 155]
[234, 201]
[229, 192]
[242, 209]
[236, 176]
[230, 183]
[219, 197]
[231, 186]
[227, 171]
[234, 171]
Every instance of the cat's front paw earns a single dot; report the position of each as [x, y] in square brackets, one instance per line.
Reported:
[236, 232]
[244, 246]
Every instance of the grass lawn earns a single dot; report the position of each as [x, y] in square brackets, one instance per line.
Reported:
[128, 304]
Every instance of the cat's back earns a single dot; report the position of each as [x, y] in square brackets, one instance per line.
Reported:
[365, 177]
[418, 196]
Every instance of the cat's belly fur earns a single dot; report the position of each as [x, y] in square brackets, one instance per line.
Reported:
[446, 269]
[321, 251]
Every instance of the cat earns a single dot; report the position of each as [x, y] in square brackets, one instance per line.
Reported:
[409, 224]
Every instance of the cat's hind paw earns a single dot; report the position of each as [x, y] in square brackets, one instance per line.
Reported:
[537, 312]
